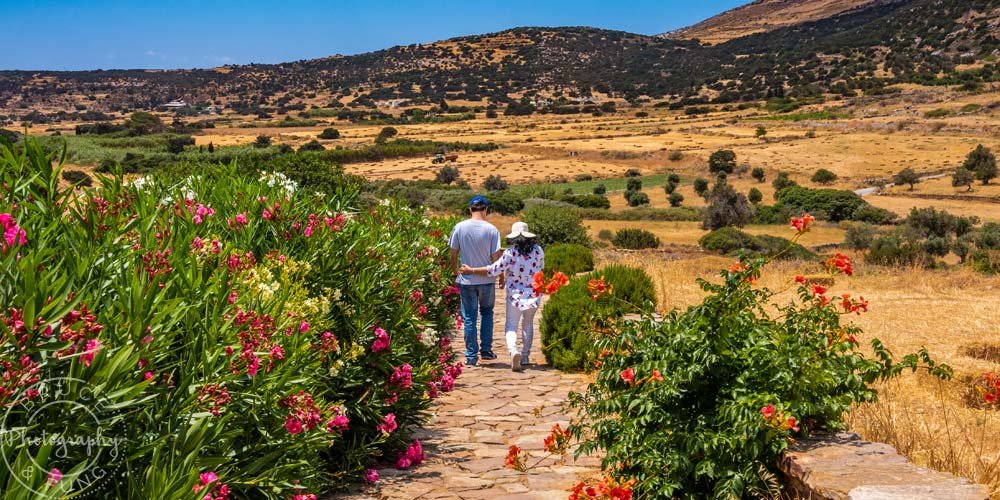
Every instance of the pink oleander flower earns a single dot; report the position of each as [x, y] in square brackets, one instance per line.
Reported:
[371, 476]
[293, 425]
[402, 376]
[304, 496]
[277, 352]
[90, 350]
[55, 475]
[148, 375]
[304, 327]
[338, 424]
[13, 234]
[388, 424]
[208, 477]
[381, 342]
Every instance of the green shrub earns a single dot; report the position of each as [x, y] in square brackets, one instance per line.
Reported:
[555, 224]
[606, 234]
[985, 261]
[638, 199]
[829, 204]
[567, 340]
[635, 239]
[633, 184]
[669, 187]
[588, 201]
[732, 241]
[770, 214]
[505, 202]
[874, 215]
[675, 156]
[860, 235]
[312, 145]
[824, 177]
[722, 161]
[600, 189]
[675, 199]
[754, 196]
[495, 183]
[568, 258]
[897, 248]
[674, 179]
[698, 405]
[700, 186]
[781, 182]
[329, 133]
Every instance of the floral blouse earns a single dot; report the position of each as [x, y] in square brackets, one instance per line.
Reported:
[520, 269]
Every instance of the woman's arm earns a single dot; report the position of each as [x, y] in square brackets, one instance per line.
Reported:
[493, 269]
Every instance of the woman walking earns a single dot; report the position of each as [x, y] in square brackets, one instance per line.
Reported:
[519, 263]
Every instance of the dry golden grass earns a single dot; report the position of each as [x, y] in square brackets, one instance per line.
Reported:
[926, 419]
[688, 233]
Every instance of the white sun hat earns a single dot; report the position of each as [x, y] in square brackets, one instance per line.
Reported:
[520, 229]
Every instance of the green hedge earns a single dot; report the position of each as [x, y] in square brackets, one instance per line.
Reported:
[555, 224]
[567, 326]
[569, 258]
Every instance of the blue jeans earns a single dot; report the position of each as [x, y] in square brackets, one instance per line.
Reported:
[477, 298]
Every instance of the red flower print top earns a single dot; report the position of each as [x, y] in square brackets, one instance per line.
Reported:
[519, 270]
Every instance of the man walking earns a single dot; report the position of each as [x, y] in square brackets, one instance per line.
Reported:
[476, 243]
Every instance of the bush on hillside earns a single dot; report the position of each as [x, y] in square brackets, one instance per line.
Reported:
[567, 340]
[824, 177]
[77, 177]
[505, 202]
[329, 134]
[675, 199]
[588, 201]
[732, 241]
[635, 239]
[600, 189]
[495, 183]
[569, 259]
[638, 199]
[827, 204]
[605, 234]
[726, 207]
[644, 213]
[556, 225]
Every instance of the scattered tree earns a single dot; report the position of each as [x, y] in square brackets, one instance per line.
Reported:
[674, 178]
[329, 133]
[963, 177]
[143, 123]
[175, 145]
[633, 172]
[824, 177]
[600, 189]
[760, 132]
[676, 199]
[669, 188]
[675, 156]
[211, 148]
[906, 176]
[312, 145]
[701, 186]
[262, 141]
[722, 161]
[726, 207]
[447, 175]
[983, 163]
[638, 199]
[758, 174]
[755, 196]
[386, 133]
[782, 181]
[495, 183]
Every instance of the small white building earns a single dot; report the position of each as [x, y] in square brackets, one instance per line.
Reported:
[176, 104]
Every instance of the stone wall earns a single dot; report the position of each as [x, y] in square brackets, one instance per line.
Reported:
[843, 466]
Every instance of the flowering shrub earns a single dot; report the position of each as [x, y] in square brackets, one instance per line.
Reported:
[567, 325]
[702, 403]
[225, 336]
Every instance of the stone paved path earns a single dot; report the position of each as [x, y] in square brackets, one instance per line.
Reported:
[490, 409]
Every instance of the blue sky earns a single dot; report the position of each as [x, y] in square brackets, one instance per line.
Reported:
[92, 34]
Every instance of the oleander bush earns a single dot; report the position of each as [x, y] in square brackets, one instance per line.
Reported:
[635, 239]
[228, 334]
[568, 258]
[702, 403]
[566, 327]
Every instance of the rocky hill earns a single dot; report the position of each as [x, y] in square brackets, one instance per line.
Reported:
[766, 15]
[936, 42]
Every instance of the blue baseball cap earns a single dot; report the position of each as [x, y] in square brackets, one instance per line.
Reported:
[479, 200]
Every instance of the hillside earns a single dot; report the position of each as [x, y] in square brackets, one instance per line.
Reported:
[766, 15]
[913, 41]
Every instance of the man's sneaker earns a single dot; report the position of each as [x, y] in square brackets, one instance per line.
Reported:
[470, 363]
[515, 362]
[488, 355]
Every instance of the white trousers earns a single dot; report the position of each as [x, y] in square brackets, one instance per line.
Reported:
[526, 319]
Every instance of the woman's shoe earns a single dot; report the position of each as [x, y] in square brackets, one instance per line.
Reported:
[515, 362]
